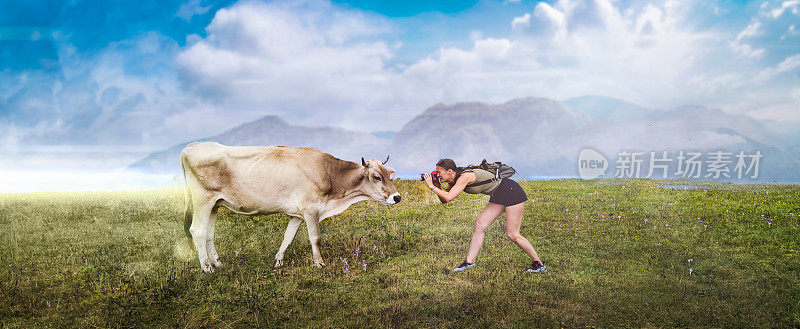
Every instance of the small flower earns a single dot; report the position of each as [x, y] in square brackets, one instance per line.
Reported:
[237, 251]
[645, 220]
[690, 271]
[690, 260]
[364, 264]
[705, 225]
[48, 303]
[567, 209]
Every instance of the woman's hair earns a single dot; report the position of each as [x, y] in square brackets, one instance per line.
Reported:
[450, 164]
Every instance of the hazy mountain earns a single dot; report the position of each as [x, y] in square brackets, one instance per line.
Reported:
[610, 110]
[694, 128]
[386, 134]
[687, 118]
[272, 130]
[538, 136]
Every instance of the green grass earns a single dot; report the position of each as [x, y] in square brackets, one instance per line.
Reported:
[618, 257]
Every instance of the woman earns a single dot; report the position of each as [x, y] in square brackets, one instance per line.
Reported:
[505, 195]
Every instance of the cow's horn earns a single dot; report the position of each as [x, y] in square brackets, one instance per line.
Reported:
[387, 159]
[362, 162]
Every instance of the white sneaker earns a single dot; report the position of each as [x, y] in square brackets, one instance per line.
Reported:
[537, 267]
[464, 266]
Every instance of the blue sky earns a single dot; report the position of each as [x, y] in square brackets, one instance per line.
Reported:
[142, 75]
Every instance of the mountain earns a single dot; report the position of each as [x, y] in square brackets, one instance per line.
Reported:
[272, 130]
[535, 135]
[610, 110]
[387, 134]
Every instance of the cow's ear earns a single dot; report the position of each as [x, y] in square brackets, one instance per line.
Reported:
[392, 172]
[363, 163]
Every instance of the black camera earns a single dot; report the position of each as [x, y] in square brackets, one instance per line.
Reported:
[434, 176]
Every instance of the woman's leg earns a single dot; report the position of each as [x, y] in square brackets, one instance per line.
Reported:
[513, 222]
[487, 216]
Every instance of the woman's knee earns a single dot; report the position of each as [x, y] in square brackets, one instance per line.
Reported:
[480, 227]
[514, 236]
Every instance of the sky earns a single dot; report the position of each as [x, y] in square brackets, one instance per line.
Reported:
[119, 79]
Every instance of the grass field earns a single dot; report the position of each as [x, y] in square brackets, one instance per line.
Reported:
[620, 253]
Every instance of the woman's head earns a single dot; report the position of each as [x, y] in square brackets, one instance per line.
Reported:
[448, 172]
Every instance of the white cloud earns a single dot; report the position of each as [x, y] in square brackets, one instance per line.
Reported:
[189, 9]
[791, 5]
[746, 50]
[327, 64]
[787, 65]
[320, 61]
[521, 22]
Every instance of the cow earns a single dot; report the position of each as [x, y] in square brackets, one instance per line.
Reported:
[303, 182]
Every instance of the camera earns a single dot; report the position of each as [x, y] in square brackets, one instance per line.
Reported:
[434, 176]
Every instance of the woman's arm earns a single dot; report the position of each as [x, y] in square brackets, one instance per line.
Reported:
[439, 185]
[447, 196]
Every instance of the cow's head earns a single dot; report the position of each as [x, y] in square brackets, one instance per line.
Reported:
[378, 181]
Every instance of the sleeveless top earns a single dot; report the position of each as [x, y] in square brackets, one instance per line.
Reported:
[481, 175]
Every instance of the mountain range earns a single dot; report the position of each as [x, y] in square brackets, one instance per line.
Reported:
[537, 136]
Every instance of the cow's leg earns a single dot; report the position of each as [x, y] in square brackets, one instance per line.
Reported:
[288, 236]
[199, 229]
[312, 223]
[213, 257]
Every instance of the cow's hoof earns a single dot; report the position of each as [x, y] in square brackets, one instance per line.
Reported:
[320, 265]
[206, 266]
[278, 263]
[217, 264]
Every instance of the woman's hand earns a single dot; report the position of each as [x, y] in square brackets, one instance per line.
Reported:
[428, 180]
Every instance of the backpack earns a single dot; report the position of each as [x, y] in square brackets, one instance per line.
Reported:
[499, 169]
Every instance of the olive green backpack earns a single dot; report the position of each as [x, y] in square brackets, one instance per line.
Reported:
[499, 169]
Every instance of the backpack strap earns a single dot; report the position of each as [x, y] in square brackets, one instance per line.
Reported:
[484, 182]
[493, 179]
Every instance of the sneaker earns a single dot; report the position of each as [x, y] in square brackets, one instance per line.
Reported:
[537, 267]
[464, 266]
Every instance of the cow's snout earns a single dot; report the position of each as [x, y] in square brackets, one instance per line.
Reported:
[394, 198]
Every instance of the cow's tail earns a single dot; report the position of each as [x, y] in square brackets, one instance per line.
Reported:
[187, 212]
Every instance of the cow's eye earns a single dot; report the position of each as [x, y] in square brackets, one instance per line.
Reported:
[378, 178]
